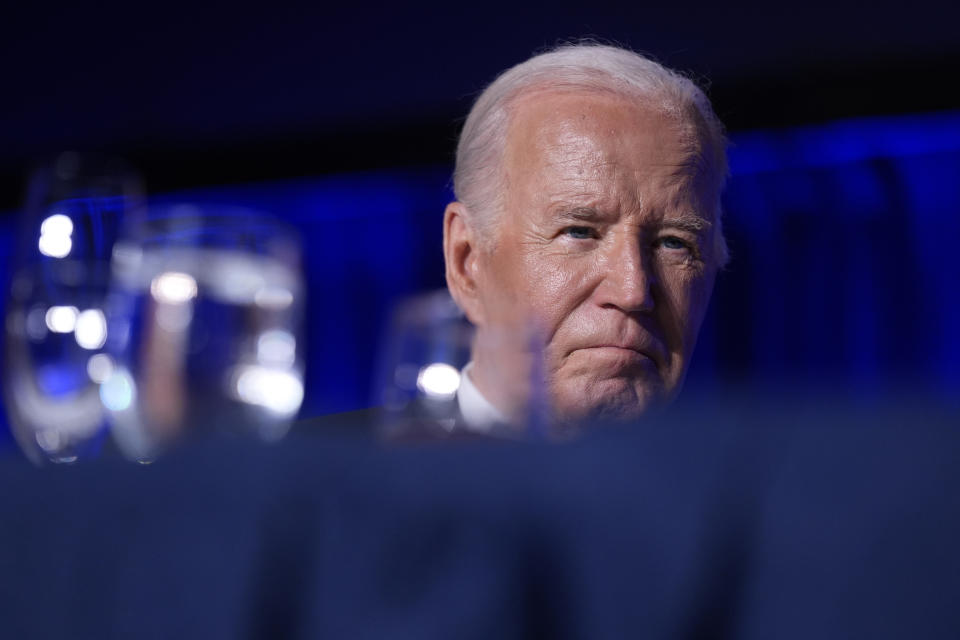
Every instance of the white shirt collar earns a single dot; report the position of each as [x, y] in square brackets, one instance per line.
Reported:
[478, 413]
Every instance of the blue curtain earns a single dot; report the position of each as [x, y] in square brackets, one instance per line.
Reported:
[844, 265]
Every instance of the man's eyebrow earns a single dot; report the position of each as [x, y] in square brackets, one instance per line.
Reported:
[688, 222]
[584, 214]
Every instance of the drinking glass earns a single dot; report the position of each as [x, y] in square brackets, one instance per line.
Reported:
[204, 334]
[424, 364]
[55, 326]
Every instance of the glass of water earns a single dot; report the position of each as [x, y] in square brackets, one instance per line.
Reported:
[204, 324]
[55, 326]
[426, 380]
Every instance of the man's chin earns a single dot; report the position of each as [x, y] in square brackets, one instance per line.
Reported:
[605, 401]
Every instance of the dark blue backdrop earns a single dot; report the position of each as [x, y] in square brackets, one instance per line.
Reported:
[843, 237]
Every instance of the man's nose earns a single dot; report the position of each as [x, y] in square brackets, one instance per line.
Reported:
[627, 278]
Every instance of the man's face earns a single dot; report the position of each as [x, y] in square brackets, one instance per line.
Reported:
[606, 244]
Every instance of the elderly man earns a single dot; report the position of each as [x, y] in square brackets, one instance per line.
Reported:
[588, 185]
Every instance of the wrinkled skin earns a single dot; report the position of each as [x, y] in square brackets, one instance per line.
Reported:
[605, 245]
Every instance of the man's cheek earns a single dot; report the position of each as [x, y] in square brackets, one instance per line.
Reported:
[500, 292]
[543, 296]
[693, 304]
[684, 299]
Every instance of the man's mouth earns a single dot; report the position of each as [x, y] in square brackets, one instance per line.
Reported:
[628, 353]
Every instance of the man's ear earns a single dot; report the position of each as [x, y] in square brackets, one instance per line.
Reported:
[461, 252]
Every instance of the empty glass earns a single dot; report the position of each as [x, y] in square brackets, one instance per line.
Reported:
[204, 328]
[55, 327]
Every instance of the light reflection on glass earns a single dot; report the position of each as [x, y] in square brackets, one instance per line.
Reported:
[99, 367]
[118, 394]
[173, 287]
[235, 279]
[55, 246]
[61, 319]
[91, 329]
[57, 225]
[55, 232]
[277, 347]
[278, 390]
[118, 391]
[52, 441]
[49, 439]
[275, 298]
[438, 380]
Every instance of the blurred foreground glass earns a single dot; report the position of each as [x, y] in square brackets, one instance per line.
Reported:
[204, 328]
[55, 322]
[423, 365]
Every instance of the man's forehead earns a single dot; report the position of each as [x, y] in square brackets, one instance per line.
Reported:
[588, 107]
[595, 129]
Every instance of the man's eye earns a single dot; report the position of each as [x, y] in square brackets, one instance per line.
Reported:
[580, 233]
[671, 242]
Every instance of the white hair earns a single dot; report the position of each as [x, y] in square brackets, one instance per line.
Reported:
[575, 67]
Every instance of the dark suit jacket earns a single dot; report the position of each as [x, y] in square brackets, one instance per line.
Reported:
[374, 422]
